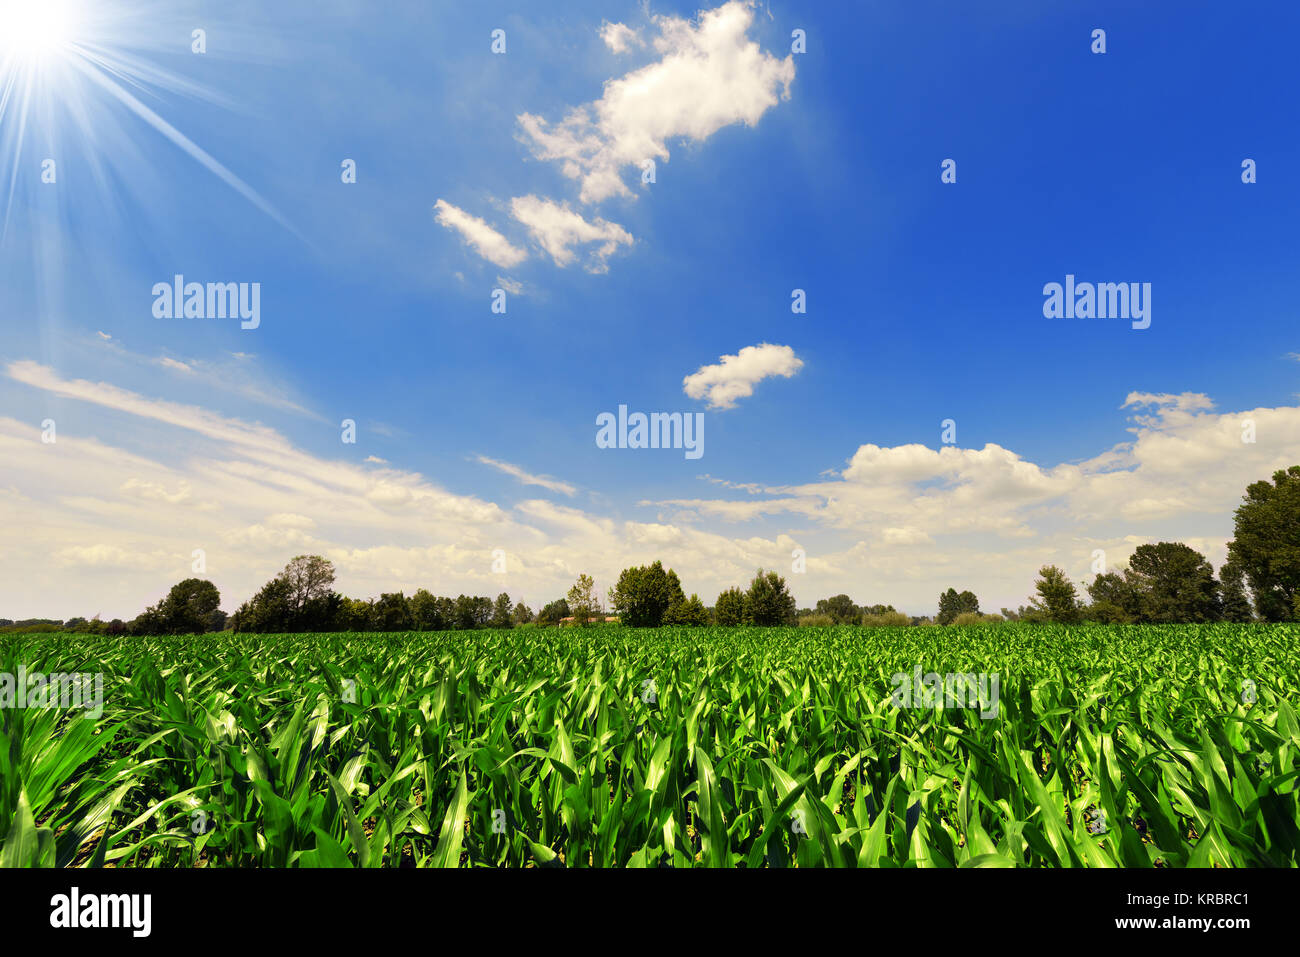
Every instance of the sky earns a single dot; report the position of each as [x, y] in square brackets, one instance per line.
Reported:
[825, 232]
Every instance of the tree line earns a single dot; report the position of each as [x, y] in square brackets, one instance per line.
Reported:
[1168, 582]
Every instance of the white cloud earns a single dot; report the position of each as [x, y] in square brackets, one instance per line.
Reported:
[511, 286]
[527, 478]
[734, 377]
[619, 37]
[479, 236]
[241, 377]
[557, 229]
[110, 557]
[710, 74]
[88, 527]
[156, 492]
[905, 536]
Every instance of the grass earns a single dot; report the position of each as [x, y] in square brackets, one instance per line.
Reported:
[1166, 746]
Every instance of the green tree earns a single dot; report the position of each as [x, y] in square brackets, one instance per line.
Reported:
[188, 607]
[840, 608]
[352, 614]
[267, 612]
[1115, 599]
[1266, 544]
[391, 613]
[148, 622]
[768, 601]
[553, 612]
[1232, 592]
[644, 594]
[583, 603]
[952, 604]
[688, 611]
[310, 579]
[426, 614]
[521, 614]
[471, 612]
[501, 616]
[730, 607]
[1175, 584]
[1057, 599]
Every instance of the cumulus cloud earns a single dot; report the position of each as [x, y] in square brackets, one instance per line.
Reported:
[619, 37]
[557, 229]
[88, 526]
[710, 74]
[479, 236]
[734, 377]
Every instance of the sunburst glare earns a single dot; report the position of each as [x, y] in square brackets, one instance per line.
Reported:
[74, 76]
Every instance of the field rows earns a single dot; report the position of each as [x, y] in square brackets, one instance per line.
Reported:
[1112, 746]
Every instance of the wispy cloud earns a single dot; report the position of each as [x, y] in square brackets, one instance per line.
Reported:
[557, 229]
[240, 377]
[479, 236]
[527, 478]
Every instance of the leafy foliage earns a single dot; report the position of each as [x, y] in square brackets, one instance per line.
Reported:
[1162, 745]
[768, 601]
[1266, 544]
[952, 604]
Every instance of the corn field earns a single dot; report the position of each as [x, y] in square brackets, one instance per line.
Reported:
[1125, 746]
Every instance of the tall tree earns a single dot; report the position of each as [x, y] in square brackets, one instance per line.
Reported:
[501, 617]
[310, 578]
[1266, 544]
[768, 601]
[583, 603]
[643, 595]
[1174, 583]
[1057, 598]
[952, 604]
[188, 607]
[1232, 592]
[730, 607]
[426, 614]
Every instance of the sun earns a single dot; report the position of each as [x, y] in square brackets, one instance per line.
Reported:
[33, 31]
[73, 75]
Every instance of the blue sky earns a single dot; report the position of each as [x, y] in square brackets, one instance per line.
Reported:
[817, 170]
